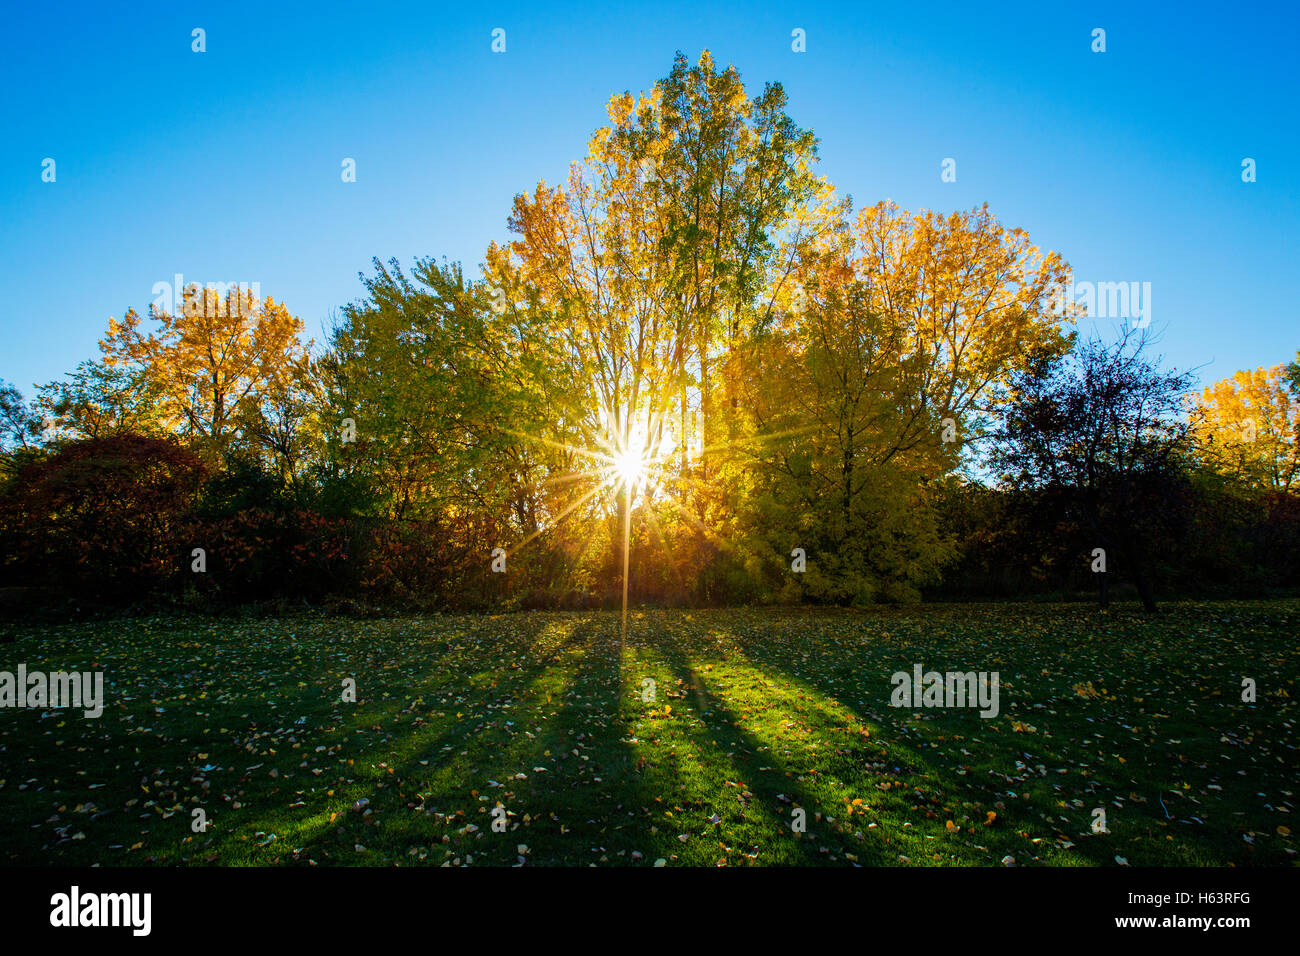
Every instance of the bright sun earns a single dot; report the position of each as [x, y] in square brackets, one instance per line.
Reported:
[629, 467]
[629, 457]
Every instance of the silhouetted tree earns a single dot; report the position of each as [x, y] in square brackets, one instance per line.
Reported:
[20, 428]
[1099, 430]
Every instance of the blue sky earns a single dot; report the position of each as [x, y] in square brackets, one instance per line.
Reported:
[224, 166]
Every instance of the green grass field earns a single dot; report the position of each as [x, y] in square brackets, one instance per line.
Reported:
[755, 714]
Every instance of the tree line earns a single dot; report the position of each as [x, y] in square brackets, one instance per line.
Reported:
[693, 349]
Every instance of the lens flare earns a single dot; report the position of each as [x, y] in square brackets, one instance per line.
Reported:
[630, 466]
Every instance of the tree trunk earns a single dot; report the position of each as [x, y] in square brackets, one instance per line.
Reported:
[706, 403]
[625, 507]
[685, 438]
[1144, 589]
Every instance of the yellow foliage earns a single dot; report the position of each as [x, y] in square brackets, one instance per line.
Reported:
[213, 363]
[1246, 427]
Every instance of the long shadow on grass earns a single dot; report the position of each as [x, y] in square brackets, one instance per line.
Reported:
[381, 771]
[819, 663]
[777, 791]
[884, 779]
[554, 762]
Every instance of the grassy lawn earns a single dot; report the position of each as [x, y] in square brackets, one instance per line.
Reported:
[756, 713]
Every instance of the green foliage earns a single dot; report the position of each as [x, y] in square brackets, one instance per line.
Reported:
[20, 429]
[99, 400]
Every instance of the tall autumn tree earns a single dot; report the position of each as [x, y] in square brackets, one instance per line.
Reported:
[897, 335]
[653, 258]
[972, 299]
[213, 363]
[841, 444]
[732, 178]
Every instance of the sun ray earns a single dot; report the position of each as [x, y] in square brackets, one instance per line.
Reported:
[554, 521]
[630, 458]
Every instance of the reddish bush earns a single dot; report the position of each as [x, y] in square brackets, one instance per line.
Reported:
[103, 517]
